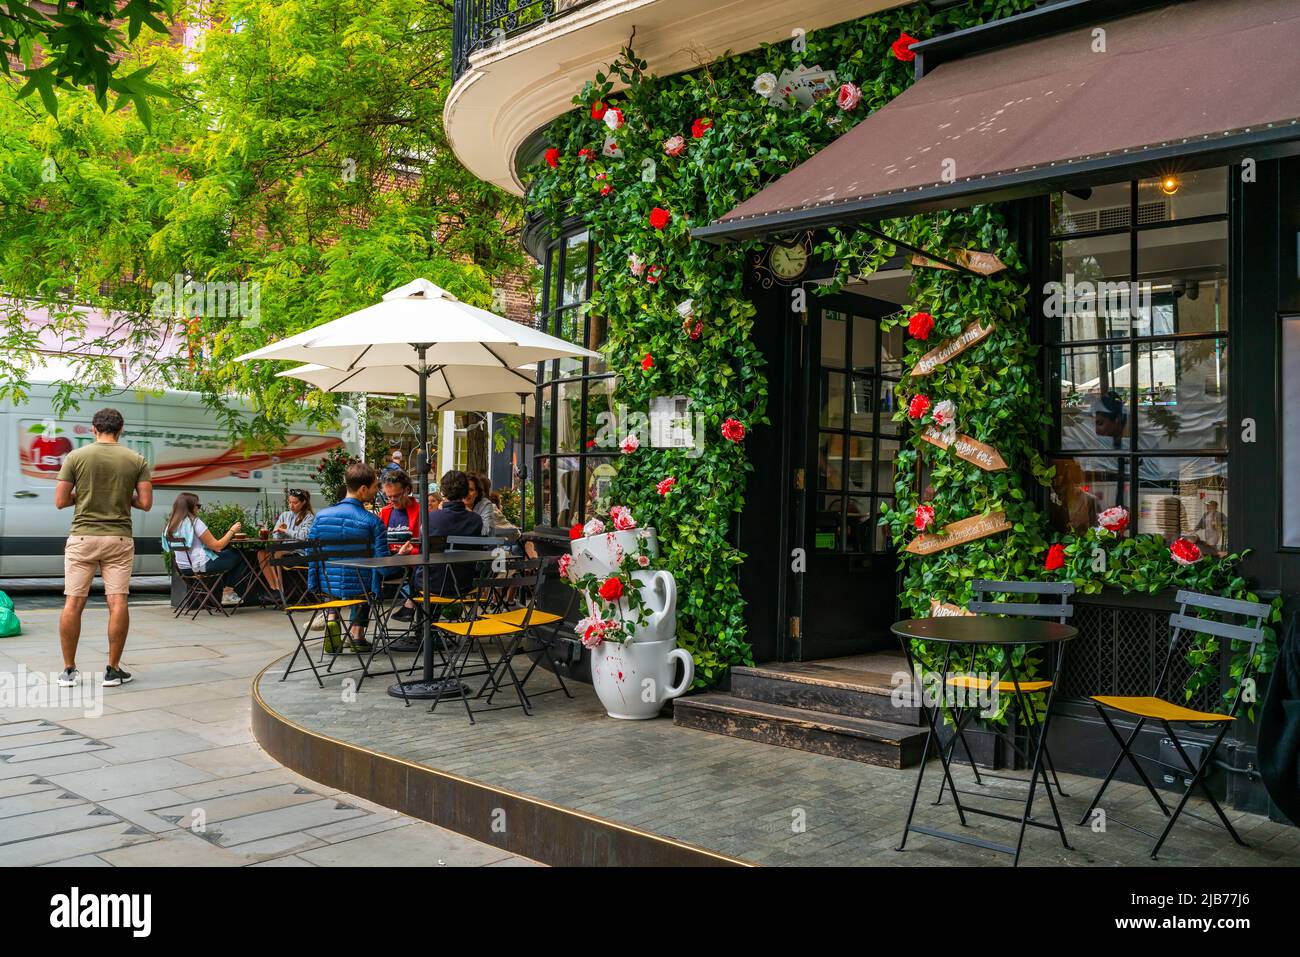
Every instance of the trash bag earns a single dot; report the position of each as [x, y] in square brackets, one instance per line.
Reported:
[10, 627]
[1279, 727]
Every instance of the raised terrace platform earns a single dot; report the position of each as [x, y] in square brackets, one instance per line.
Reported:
[571, 786]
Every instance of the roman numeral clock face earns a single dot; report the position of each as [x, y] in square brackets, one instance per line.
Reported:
[788, 263]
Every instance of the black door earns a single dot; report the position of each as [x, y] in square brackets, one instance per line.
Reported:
[844, 441]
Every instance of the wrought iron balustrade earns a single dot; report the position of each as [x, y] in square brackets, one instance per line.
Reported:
[479, 24]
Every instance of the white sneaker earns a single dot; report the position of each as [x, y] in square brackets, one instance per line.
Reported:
[69, 678]
[230, 599]
[317, 625]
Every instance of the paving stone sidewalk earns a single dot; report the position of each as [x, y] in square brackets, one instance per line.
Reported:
[169, 773]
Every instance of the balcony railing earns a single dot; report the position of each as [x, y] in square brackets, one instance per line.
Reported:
[479, 24]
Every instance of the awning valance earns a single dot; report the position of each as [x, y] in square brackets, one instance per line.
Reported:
[1187, 85]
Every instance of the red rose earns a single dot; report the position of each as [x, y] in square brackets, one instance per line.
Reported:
[611, 589]
[1185, 552]
[648, 362]
[575, 531]
[918, 406]
[598, 110]
[700, 127]
[924, 517]
[591, 443]
[733, 430]
[1055, 558]
[585, 154]
[606, 190]
[920, 325]
[902, 48]
[659, 217]
[553, 157]
[696, 332]
[666, 486]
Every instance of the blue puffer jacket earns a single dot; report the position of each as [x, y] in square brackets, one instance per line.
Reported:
[347, 519]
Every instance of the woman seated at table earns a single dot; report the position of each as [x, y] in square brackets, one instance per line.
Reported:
[401, 518]
[482, 502]
[201, 551]
[292, 525]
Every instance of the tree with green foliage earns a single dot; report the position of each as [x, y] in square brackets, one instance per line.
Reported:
[71, 45]
[300, 151]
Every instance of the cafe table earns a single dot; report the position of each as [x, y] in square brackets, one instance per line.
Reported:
[247, 548]
[962, 635]
[427, 686]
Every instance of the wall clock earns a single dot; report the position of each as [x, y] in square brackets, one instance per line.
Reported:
[783, 263]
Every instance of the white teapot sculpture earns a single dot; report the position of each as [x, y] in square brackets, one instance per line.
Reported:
[634, 678]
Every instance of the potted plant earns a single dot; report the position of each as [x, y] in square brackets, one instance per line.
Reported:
[330, 474]
[631, 622]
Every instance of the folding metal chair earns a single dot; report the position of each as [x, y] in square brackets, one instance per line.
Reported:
[201, 588]
[1022, 704]
[317, 553]
[1168, 713]
[478, 627]
[546, 642]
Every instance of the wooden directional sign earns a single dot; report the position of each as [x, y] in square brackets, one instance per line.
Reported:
[959, 533]
[986, 264]
[946, 609]
[950, 348]
[977, 453]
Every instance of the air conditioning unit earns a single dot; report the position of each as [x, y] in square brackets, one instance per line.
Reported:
[1114, 217]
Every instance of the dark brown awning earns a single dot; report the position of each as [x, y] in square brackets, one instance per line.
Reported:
[1187, 85]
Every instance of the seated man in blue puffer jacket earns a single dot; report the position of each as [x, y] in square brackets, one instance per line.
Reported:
[350, 519]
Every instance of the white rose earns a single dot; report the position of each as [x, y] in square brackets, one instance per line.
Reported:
[765, 84]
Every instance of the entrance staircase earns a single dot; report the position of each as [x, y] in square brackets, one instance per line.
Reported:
[843, 707]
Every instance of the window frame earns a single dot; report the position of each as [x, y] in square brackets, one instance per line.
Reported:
[551, 316]
[1132, 346]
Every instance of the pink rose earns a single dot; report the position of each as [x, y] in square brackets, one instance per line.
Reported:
[675, 145]
[635, 264]
[848, 97]
[622, 516]
[630, 444]
[643, 561]
[594, 526]
[564, 564]
[613, 117]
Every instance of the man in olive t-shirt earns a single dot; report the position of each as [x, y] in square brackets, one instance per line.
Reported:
[104, 481]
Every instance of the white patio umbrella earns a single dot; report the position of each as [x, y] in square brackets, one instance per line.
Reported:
[426, 329]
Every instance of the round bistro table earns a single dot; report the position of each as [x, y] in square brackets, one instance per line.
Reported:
[968, 633]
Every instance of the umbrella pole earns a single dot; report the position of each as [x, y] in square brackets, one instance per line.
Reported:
[427, 687]
[523, 462]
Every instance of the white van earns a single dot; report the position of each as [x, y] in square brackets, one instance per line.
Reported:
[175, 432]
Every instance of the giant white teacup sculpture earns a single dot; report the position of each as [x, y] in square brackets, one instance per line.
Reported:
[631, 622]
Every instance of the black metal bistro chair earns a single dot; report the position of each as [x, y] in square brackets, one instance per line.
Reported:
[1168, 713]
[202, 589]
[546, 640]
[478, 630]
[1020, 692]
[317, 553]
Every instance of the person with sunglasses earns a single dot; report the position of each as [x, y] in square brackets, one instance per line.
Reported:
[292, 525]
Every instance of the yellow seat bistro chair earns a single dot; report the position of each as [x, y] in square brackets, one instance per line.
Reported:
[1168, 713]
[315, 605]
[1023, 705]
[479, 629]
[537, 619]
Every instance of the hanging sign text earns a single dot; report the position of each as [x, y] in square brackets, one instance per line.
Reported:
[977, 453]
[951, 347]
[986, 264]
[946, 609]
[959, 533]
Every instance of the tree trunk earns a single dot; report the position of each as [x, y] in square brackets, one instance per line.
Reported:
[476, 442]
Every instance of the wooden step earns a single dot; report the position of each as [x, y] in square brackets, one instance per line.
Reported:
[827, 687]
[857, 739]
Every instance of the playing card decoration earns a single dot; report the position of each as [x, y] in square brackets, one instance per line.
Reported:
[803, 85]
[611, 149]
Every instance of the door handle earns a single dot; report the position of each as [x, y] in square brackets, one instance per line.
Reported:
[26, 495]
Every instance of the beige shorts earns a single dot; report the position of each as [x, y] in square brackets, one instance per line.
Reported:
[110, 555]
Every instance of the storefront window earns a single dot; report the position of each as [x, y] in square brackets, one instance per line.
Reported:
[1138, 328]
[573, 468]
